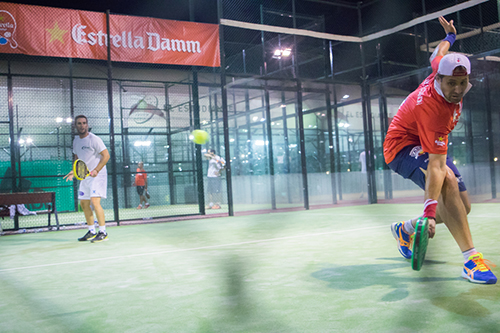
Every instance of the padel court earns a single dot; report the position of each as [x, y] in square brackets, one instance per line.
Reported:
[325, 270]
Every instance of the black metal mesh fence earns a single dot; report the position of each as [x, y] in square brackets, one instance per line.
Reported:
[289, 95]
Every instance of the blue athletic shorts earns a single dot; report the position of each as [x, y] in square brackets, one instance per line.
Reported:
[410, 159]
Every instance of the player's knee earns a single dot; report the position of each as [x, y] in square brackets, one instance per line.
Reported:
[85, 204]
[450, 182]
[96, 202]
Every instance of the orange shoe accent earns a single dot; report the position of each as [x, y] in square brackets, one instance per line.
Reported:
[481, 264]
[403, 242]
[139, 207]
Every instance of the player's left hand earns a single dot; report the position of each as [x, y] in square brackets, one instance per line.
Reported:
[447, 26]
[69, 176]
[94, 173]
[432, 227]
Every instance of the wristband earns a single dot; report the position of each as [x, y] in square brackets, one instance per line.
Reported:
[450, 38]
[430, 208]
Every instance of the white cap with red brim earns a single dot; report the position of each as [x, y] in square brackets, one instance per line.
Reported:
[450, 62]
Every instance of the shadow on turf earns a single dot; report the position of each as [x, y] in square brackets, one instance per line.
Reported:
[362, 276]
[466, 303]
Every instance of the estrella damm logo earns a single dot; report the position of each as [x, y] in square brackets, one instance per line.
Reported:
[7, 29]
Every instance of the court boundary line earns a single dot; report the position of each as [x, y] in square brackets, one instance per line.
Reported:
[189, 249]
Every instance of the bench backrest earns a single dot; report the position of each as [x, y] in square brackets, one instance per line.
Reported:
[27, 198]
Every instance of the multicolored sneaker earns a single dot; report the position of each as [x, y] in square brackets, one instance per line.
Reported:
[101, 236]
[404, 239]
[477, 271]
[88, 236]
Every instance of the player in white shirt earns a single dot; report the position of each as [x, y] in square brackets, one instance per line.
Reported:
[89, 148]
[214, 183]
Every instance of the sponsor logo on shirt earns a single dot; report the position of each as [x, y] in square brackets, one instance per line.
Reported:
[420, 96]
[86, 148]
[440, 141]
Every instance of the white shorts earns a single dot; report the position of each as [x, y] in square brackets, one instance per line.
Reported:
[93, 187]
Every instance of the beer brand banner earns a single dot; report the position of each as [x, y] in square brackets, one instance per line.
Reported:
[55, 32]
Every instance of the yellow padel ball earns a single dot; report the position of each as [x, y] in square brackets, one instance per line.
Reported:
[200, 137]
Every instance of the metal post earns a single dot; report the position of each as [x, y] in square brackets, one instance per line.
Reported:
[217, 129]
[170, 162]
[490, 137]
[300, 115]
[114, 183]
[198, 157]
[267, 115]
[249, 140]
[426, 34]
[72, 114]
[191, 125]
[269, 145]
[127, 172]
[331, 152]
[286, 159]
[336, 126]
[264, 66]
[367, 123]
[295, 55]
[237, 136]
[459, 30]
[384, 126]
[225, 118]
[13, 141]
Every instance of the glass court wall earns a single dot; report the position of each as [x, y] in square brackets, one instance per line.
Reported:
[299, 131]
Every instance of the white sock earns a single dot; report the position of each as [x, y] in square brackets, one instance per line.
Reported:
[102, 228]
[408, 226]
[468, 253]
[92, 228]
[210, 204]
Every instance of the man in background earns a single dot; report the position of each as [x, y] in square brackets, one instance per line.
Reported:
[214, 182]
[141, 181]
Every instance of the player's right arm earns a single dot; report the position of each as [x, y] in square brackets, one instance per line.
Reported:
[443, 47]
[436, 172]
[70, 175]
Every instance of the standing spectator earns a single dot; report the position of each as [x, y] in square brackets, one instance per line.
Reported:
[141, 181]
[214, 183]
[90, 149]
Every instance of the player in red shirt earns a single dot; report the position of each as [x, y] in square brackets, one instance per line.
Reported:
[141, 181]
[416, 147]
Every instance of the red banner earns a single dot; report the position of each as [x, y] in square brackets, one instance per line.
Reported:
[55, 32]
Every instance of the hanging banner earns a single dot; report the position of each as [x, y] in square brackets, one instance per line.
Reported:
[55, 32]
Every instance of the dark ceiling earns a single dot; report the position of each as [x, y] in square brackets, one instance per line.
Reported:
[400, 52]
[376, 14]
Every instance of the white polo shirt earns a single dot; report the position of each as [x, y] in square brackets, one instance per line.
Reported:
[89, 150]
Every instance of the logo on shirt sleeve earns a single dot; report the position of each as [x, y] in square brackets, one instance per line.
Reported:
[440, 141]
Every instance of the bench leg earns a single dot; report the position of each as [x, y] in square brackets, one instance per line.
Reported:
[57, 219]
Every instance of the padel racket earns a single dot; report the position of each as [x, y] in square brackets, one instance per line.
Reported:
[420, 243]
[80, 170]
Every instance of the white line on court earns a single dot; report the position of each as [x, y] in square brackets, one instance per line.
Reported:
[191, 249]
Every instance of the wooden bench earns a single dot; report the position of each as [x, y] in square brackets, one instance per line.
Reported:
[49, 198]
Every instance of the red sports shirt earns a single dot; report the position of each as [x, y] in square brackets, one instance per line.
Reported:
[140, 177]
[424, 118]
